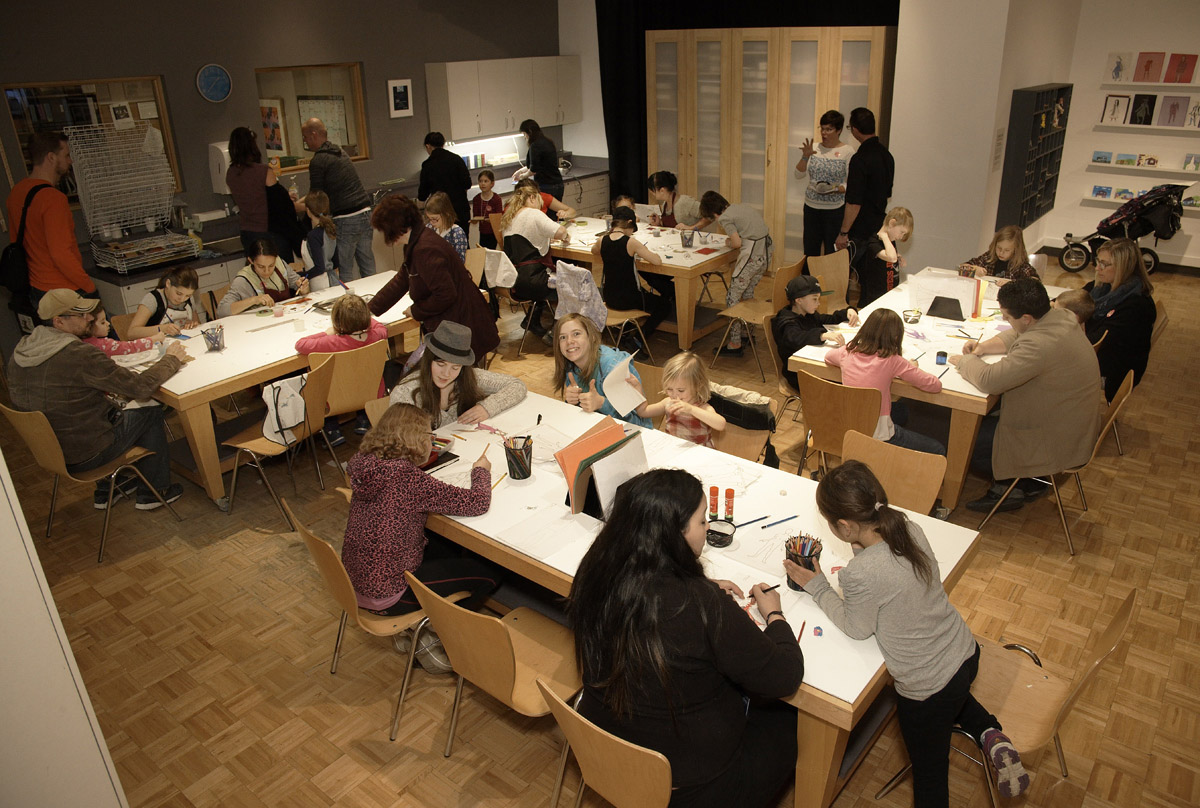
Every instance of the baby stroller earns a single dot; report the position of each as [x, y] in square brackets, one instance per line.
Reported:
[1157, 211]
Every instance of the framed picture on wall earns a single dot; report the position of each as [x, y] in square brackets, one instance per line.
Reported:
[1180, 68]
[400, 98]
[1142, 113]
[1149, 66]
[1119, 67]
[1116, 109]
[274, 139]
[1172, 109]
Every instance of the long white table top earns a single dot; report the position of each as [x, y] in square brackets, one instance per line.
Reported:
[664, 241]
[531, 517]
[254, 340]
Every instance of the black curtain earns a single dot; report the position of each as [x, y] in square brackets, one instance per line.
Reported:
[621, 32]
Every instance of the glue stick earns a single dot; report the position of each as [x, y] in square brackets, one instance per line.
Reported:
[729, 504]
[713, 496]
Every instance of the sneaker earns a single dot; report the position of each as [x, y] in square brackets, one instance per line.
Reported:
[984, 504]
[1011, 778]
[361, 425]
[402, 642]
[431, 655]
[100, 496]
[726, 350]
[1032, 489]
[148, 502]
[548, 339]
[943, 513]
[336, 438]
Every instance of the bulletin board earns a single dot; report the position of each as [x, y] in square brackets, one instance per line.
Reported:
[331, 109]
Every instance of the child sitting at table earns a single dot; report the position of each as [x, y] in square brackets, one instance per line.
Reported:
[622, 283]
[318, 251]
[892, 589]
[353, 327]
[115, 347]
[879, 262]
[264, 281]
[167, 308]
[440, 213]
[624, 201]
[483, 204]
[872, 359]
[581, 365]
[1077, 301]
[689, 415]
[749, 236]
[1006, 257]
[385, 533]
[799, 323]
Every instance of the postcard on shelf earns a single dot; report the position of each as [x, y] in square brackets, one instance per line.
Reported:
[1172, 109]
[1191, 202]
[1191, 162]
[1143, 110]
[1148, 160]
[1180, 68]
[1102, 157]
[1122, 193]
[1119, 66]
[1149, 66]
[1116, 109]
[1126, 160]
[1101, 191]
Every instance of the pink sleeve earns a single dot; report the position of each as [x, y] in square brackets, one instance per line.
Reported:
[319, 343]
[377, 332]
[918, 378]
[112, 347]
[834, 357]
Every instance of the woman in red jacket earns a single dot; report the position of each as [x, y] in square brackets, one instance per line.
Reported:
[433, 275]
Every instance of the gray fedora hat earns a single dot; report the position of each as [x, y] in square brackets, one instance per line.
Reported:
[451, 342]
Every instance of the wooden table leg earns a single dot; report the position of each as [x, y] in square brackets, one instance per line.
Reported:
[820, 748]
[686, 292]
[198, 427]
[964, 426]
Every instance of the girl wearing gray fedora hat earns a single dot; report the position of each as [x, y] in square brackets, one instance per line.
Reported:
[446, 385]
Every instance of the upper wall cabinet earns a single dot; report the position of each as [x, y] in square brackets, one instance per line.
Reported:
[470, 100]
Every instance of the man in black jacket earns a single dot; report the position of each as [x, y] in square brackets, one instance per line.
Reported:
[868, 183]
[798, 324]
[445, 171]
[330, 170]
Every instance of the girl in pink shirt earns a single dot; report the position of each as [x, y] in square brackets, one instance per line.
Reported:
[113, 347]
[872, 359]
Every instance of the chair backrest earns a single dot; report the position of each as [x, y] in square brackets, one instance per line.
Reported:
[120, 324]
[834, 270]
[831, 410]
[316, 392]
[627, 775]
[479, 646]
[1110, 415]
[329, 564]
[652, 385]
[1110, 637]
[376, 408]
[356, 376]
[35, 430]
[773, 350]
[475, 260]
[747, 444]
[495, 218]
[211, 299]
[1096, 345]
[779, 285]
[1160, 320]
[911, 479]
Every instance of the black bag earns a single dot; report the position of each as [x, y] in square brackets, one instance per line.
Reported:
[14, 263]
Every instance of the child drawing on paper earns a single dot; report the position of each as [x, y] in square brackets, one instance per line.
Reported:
[689, 415]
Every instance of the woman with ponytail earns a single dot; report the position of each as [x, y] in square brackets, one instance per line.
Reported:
[892, 589]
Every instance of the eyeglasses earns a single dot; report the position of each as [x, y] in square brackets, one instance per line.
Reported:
[828, 130]
[1105, 264]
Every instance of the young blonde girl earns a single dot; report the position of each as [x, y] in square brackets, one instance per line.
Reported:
[689, 415]
[319, 249]
[581, 364]
[440, 213]
[167, 309]
[881, 261]
[873, 359]
[1006, 257]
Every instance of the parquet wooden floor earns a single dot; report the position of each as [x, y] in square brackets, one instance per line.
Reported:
[205, 644]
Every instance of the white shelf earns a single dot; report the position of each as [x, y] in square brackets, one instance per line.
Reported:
[1177, 131]
[1097, 202]
[1146, 171]
[1139, 85]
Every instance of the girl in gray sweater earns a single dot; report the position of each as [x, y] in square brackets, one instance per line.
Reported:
[892, 589]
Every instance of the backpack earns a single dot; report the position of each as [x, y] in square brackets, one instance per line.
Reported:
[14, 263]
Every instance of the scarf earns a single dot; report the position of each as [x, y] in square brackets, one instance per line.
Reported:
[1107, 298]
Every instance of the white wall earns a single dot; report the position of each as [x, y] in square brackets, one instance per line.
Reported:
[1110, 25]
[577, 35]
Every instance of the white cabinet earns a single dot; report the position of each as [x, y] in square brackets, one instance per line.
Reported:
[469, 100]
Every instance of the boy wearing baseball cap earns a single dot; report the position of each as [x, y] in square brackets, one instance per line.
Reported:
[798, 323]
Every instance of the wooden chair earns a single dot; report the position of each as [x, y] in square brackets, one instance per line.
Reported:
[1160, 321]
[1110, 420]
[1031, 702]
[356, 376]
[779, 284]
[376, 408]
[911, 479]
[790, 394]
[738, 441]
[475, 260]
[830, 411]
[619, 319]
[211, 299]
[1096, 345]
[754, 311]
[35, 430]
[834, 270]
[120, 324]
[627, 775]
[652, 386]
[501, 656]
[252, 442]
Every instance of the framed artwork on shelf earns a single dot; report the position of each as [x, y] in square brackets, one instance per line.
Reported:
[1126, 160]
[1172, 109]
[1180, 68]
[1102, 157]
[1150, 66]
[1148, 160]
[274, 139]
[1191, 162]
[1122, 193]
[400, 98]
[1101, 191]
[1142, 113]
[1193, 116]
[1119, 66]
[1116, 109]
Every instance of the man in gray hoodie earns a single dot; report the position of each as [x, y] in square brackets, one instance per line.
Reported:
[55, 372]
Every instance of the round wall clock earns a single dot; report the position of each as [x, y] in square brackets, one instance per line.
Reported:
[214, 83]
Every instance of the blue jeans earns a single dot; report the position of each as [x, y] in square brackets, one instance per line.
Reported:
[141, 426]
[907, 439]
[354, 242]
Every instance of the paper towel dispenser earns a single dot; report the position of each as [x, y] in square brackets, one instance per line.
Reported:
[218, 165]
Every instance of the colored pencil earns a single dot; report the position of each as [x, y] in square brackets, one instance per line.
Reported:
[502, 476]
[752, 521]
[778, 522]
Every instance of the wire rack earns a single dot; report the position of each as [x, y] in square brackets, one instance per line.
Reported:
[126, 182]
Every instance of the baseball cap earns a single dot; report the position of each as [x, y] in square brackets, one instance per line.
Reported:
[58, 302]
[802, 286]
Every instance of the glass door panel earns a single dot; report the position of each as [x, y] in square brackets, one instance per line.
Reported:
[856, 76]
[708, 118]
[802, 124]
[666, 102]
[754, 122]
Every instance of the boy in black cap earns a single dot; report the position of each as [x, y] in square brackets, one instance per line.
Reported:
[798, 324]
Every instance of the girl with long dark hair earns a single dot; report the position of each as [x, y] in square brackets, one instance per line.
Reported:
[542, 159]
[671, 662]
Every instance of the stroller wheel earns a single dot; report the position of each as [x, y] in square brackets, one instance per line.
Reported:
[1074, 257]
[1150, 258]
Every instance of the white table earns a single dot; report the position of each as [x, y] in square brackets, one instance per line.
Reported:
[257, 349]
[531, 531]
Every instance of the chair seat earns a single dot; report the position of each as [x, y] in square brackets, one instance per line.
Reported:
[251, 439]
[545, 649]
[1022, 695]
[387, 625]
[618, 316]
[92, 475]
[752, 311]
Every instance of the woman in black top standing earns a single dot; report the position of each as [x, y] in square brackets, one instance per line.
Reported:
[542, 159]
[669, 658]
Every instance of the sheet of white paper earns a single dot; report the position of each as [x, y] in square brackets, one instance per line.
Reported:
[545, 532]
[609, 472]
[644, 212]
[623, 396]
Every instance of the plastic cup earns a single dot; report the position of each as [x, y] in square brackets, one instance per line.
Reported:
[687, 237]
[298, 325]
[278, 309]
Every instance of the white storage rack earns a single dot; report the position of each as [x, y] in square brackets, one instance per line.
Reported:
[124, 182]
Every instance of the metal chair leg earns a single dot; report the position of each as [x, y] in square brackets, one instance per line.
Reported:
[1001, 502]
[412, 655]
[112, 484]
[1062, 759]
[895, 781]
[1062, 515]
[562, 771]
[579, 794]
[237, 462]
[53, 500]
[645, 342]
[753, 348]
[312, 447]
[1079, 485]
[337, 645]
[271, 490]
[454, 716]
[720, 345]
[338, 463]
[1117, 435]
[157, 494]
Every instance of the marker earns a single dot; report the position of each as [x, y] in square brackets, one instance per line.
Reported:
[502, 476]
[752, 521]
[771, 588]
[944, 372]
[778, 522]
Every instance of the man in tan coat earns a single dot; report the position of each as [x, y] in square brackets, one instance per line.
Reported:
[1050, 381]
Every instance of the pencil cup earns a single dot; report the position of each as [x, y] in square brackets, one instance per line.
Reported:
[807, 559]
[519, 454]
[687, 237]
[214, 338]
